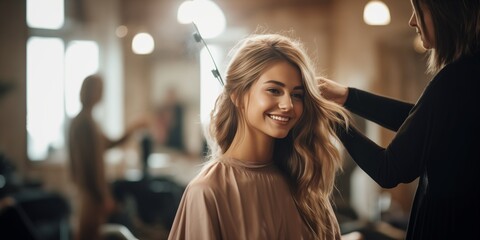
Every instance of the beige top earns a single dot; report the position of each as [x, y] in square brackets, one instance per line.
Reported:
[233, 200]
[86, 147]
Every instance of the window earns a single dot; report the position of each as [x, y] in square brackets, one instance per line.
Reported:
[210, 88]
[81, 60]
[44, 93]
[45, 14]
[55, 71]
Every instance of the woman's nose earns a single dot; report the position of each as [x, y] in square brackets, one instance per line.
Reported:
[413, 20]
[285, 103]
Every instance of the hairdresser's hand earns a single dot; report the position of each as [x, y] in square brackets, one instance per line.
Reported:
[333, 91]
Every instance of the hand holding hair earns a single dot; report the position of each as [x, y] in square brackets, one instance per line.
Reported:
[332, 90]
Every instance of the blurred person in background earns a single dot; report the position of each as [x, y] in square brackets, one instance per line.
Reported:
[87, 145]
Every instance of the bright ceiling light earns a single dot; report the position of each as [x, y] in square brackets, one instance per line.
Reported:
[185, 12]
[208, 17]
[376, 13]
[143, 43]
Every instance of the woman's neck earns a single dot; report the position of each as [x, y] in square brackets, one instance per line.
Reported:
[252, 149]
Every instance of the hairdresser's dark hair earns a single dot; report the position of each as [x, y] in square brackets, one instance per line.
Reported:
[457, 29]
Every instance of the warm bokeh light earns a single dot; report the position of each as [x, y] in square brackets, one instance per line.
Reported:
[121, 31]
[185, 12]
[143, 43]
[208, 17]
[376, 13]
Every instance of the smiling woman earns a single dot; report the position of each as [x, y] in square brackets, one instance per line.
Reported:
[274, 104]
[269, 176]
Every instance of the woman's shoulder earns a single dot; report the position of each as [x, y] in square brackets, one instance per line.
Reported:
[462, 69]
[209, 178]
[453, 86]
[456, 79]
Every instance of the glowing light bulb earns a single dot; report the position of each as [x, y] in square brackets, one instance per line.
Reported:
[143, 43]
[376, 13]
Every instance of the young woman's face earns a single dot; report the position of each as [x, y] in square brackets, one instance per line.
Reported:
[274, 103]
[428, 34]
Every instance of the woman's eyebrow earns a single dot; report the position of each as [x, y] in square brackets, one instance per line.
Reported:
[281, 84]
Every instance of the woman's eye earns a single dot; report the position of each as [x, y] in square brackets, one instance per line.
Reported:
[297, 96]
[273, 90]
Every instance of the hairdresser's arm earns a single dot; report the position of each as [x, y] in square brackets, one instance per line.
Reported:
[138, 124]
[403, 159]
[387, 112]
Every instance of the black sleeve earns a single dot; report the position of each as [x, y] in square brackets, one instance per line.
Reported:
[402, 160]
[386, 112]
[438, 139]
[381, 164]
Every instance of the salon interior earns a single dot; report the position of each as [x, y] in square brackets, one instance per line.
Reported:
[147, 55]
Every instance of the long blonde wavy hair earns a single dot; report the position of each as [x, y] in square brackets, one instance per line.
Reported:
[308, 155]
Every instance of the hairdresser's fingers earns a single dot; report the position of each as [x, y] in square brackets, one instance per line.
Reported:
[332, 90]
